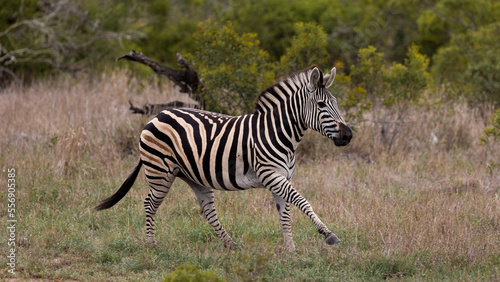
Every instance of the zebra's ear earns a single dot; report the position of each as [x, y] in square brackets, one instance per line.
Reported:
[314, 77]
[329, 78]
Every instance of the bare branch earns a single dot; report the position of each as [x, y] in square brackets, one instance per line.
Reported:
[187, 80]
[154, 109]
[47, 38]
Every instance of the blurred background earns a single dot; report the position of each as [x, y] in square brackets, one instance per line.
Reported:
[457, 39]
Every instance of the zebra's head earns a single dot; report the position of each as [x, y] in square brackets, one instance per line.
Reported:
[321, 111]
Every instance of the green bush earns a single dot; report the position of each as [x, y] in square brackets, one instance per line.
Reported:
[407, 82]
[493, 131]
[491, 135]
[373, 81]
[41, 37]
[470, 65]
[389, 88]
[308, 47]
[368, 72]
[233, 68]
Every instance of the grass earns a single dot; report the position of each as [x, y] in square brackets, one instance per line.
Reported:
[422, 211]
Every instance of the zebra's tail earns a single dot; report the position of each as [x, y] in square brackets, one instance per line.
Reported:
[116, 197]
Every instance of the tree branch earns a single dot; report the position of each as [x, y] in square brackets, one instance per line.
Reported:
[178, 77]
[154, 109]
[187, 79]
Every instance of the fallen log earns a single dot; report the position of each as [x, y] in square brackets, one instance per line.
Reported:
[154, 109]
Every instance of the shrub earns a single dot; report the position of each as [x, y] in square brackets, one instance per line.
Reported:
[363, 87]
[470, 65]
[233, 67]
[493, 131]
[373, 82]
[38, 37]
[491, 135]
[390, 89]
[308, 47]
[368, 72]
[407, 82]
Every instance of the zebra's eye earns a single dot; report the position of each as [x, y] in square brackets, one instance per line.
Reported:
[321, 104]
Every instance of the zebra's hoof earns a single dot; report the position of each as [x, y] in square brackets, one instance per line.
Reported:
[151, 244]
[332, 239]
[232, 246]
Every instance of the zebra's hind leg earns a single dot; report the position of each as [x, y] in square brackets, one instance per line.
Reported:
[206, 200]
[285, 221]
[159, 185]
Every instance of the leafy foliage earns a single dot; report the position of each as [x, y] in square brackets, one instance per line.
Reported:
[368, 73]
[493, 131]
[55, 35]
[470, 64]
[491, 136]
[372, 81]
[459, 35]
[407, 82]
[375, 83]
[307, 48]
[233, 67]
[169, 26]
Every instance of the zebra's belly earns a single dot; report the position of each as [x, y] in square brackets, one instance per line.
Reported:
[228, 179]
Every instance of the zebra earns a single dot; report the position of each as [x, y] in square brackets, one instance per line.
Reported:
[215, 151]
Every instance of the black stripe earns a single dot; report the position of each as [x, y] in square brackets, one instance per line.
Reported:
[155, 167]
[244, 145]
[220, 153]
[233, 153]
[167, 140]
[274, 132]
[190, 144]
[284, 106]
[206, 158]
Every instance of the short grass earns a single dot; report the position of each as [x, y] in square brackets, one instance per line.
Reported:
[431, 213]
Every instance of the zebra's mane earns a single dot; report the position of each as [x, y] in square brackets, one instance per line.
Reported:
[295, 81]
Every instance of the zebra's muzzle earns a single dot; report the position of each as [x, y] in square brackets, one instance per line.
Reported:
[345, 135]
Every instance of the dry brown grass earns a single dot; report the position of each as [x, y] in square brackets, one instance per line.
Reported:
[446, 208]
[80, 117]
[425, 208]
[431, 194]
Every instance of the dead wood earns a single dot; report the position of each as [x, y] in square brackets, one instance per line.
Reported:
[187, 80]
[154, 109]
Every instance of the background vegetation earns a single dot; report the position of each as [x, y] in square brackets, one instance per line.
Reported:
[459, 37]
[415, 195]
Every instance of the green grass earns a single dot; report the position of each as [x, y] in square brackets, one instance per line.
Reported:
[429, 214]
[61, 237]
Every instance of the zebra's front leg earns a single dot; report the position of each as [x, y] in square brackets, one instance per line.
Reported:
[285, 221]
[282, 187]
[206, 200]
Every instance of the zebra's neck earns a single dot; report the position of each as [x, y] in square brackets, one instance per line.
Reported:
[283, 91]
[284, 101]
